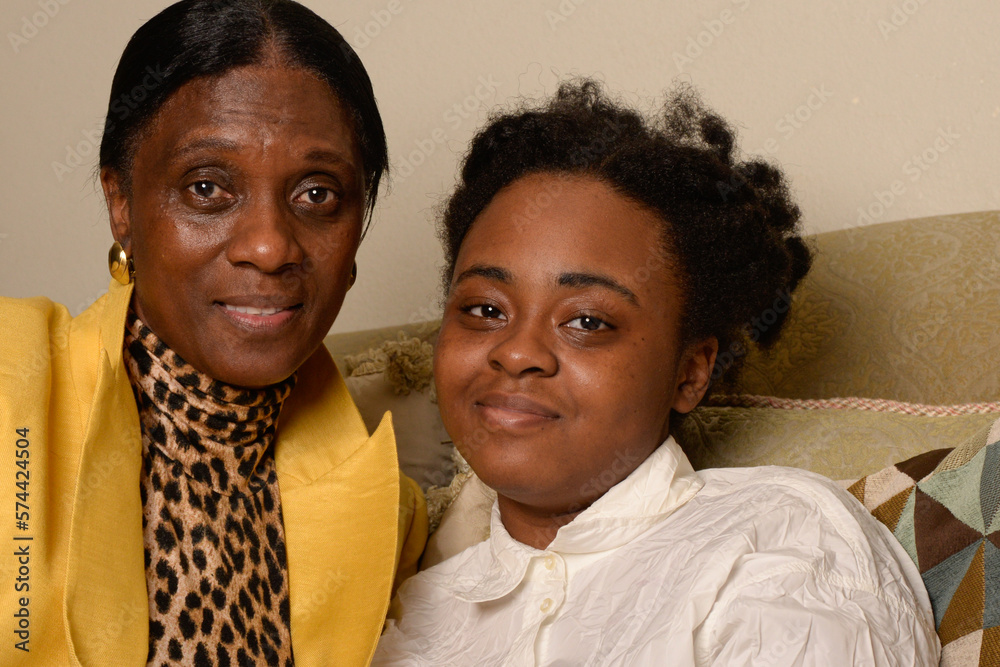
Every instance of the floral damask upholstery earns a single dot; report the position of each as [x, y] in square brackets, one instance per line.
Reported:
[903, 310]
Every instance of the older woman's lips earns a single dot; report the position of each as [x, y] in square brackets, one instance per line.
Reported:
[259, 318]
[514, 412]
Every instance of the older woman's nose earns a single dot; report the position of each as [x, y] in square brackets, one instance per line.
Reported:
[524, 348]
[264, 237]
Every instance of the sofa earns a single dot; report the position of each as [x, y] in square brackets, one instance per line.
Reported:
[891, 351]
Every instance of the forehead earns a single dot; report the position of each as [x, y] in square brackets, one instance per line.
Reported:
[555, 222]
[265, 105]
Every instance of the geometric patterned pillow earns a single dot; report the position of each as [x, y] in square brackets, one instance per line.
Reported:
[944, 508]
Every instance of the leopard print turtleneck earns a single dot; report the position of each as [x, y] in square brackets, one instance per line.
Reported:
[216, 568]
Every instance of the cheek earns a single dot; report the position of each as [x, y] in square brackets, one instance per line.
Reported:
[328, 258]
[457, 363]
[622, 393]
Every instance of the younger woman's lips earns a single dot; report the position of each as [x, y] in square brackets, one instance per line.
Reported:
[514, 411]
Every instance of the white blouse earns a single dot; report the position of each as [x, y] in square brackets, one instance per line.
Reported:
[741, 566]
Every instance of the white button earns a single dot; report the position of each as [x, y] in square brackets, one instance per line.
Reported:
[546, 605]
[550, 563]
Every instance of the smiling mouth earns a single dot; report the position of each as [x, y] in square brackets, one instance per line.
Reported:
[507, 412]
[259, 318]
[249, 310]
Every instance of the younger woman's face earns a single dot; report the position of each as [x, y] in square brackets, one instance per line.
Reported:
[560, 354]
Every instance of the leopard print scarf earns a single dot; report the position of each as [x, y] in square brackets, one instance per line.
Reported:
[216, 568]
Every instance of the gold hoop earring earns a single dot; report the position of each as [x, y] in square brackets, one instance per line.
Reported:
[120, 264]
[354, 276]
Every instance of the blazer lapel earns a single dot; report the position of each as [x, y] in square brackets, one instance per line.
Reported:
[106, 604]
[340, 496]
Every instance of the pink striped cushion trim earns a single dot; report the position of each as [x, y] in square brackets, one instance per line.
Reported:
[852, 403]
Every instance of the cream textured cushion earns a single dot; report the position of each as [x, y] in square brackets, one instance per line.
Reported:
[837, 443]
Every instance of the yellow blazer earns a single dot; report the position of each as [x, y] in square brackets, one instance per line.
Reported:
[72, 575]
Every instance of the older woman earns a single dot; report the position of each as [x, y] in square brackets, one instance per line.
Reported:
[194, 484]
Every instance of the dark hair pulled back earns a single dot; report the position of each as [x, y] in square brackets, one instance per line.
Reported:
[196, 38]
[730, 227]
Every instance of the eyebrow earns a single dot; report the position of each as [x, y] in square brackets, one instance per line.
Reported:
[211, 143]
[220, 144]
[484, 271]
[578, 280]
[583, 280]
[321, 155]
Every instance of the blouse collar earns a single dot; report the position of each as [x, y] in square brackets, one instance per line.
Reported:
[661, 484]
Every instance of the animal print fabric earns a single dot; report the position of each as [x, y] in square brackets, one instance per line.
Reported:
[216, 567]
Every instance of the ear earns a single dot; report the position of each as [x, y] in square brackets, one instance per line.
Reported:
[119, 207]
[694, 373]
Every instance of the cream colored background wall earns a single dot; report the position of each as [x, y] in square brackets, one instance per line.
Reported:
[879, 110]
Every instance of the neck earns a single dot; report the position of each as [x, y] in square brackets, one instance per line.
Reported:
[217, 432]
[533, 526]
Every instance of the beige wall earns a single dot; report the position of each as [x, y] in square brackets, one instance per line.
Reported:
[884, 106]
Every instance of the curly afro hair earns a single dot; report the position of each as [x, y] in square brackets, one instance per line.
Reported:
[730, 227]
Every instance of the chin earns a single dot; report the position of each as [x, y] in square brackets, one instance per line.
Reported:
[253, 376]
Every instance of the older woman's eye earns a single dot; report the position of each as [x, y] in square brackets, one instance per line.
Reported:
[206, 189]
[317, 196]
[487, 311]
[588, 323]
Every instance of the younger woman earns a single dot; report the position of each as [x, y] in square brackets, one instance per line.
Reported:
[597, 263]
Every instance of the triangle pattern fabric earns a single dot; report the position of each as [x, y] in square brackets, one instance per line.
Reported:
[958, 490]
[994, 538]
[989, 653]
[965, 611]
[890, 511]
[943, 580]
[989, 487]
[905, 531]
[883, 485]
[938, 532]
[923, 464]
[991, 576]
[964, 651]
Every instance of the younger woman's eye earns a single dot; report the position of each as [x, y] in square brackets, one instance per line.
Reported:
[206, 190]
[487, 311]
[588, 323]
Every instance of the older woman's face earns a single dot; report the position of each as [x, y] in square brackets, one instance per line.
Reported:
[243, 221]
